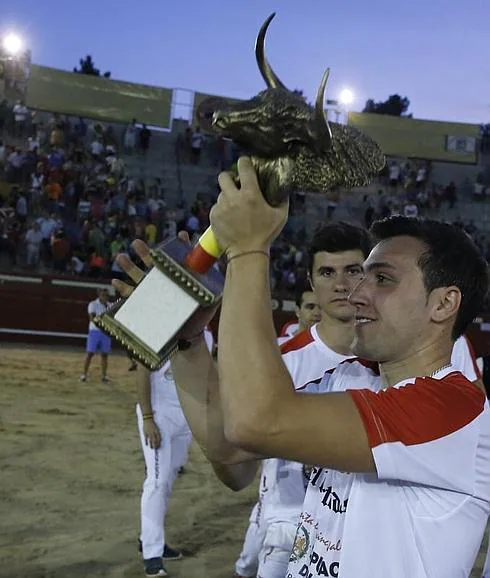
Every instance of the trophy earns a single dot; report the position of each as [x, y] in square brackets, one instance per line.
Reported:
[292, 147]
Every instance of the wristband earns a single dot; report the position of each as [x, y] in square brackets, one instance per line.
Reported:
[238, 255]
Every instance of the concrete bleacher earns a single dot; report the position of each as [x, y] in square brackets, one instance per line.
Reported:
[180, 180]
[468, 210]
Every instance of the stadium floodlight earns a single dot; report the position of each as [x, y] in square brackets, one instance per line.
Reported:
[346, 97]
[12, 44]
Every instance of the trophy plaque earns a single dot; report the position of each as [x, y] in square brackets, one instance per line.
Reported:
[147, 324]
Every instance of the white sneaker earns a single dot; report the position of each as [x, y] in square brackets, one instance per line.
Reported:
[83, 378]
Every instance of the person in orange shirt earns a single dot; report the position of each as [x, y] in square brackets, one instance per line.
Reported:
[60, 248]
[53, 193]
[96, 265]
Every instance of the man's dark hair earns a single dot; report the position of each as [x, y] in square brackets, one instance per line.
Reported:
[300, 291]
[451, 258]
[336, 238]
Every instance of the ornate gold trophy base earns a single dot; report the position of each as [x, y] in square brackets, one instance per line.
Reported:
[147, 324]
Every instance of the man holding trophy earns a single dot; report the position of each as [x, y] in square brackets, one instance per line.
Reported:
[400, 440]
[411, 430]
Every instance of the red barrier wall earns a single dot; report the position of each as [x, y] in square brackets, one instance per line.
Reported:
[46, 309]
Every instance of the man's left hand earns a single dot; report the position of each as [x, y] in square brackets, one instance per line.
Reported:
[242, 220]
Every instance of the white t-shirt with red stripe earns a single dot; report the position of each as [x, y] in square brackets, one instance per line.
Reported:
[289, 329]
[424, 513]
[283, 483]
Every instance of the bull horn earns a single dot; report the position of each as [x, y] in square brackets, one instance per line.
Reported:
[320, 117]
[271, 80]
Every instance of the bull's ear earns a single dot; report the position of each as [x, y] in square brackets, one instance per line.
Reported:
[269, 76]
[322, 127]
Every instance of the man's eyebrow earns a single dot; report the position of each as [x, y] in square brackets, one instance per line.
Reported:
[379, 265]
[325, 268]
[332, 268]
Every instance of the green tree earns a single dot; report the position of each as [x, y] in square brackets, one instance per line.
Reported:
[395, 105]
[87, 66]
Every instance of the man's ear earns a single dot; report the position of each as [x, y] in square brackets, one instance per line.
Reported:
[445, 303]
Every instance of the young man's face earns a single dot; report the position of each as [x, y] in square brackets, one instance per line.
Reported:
[333, 278]
[309, 311]
[394, 314]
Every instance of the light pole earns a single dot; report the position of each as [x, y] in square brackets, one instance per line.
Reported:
[12, 45]
[15, 62]
[346, 99]
[340, 106]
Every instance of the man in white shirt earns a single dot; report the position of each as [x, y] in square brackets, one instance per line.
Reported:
[307, 311]
[335, 259]
[21, 112]
[289, 329]
[421, 177]
[414, 432]
[97, 340]
[394, 174]
[402, 447]
[15, 162]
[21, 209]
[97, 148]
[116, 165]
[165, 440]
[308, 358]
[33, 241]
[130, 137]
[48, 225]
[196, 145]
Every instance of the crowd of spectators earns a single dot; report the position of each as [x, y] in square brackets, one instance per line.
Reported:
[69, 205]
[407, 190]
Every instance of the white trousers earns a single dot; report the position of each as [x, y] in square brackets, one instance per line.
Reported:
[276, 550]
[267, 548]
[248, 562]
[162, 466]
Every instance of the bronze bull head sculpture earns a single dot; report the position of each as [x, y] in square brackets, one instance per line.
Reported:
[292, 145]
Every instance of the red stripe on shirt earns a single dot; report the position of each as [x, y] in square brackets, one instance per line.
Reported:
[285, 327]
[419, 412]
[299, 341]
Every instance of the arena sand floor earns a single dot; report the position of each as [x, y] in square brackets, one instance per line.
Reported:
[71, 474]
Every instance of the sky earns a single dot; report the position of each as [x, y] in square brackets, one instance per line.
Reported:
[435, 52]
